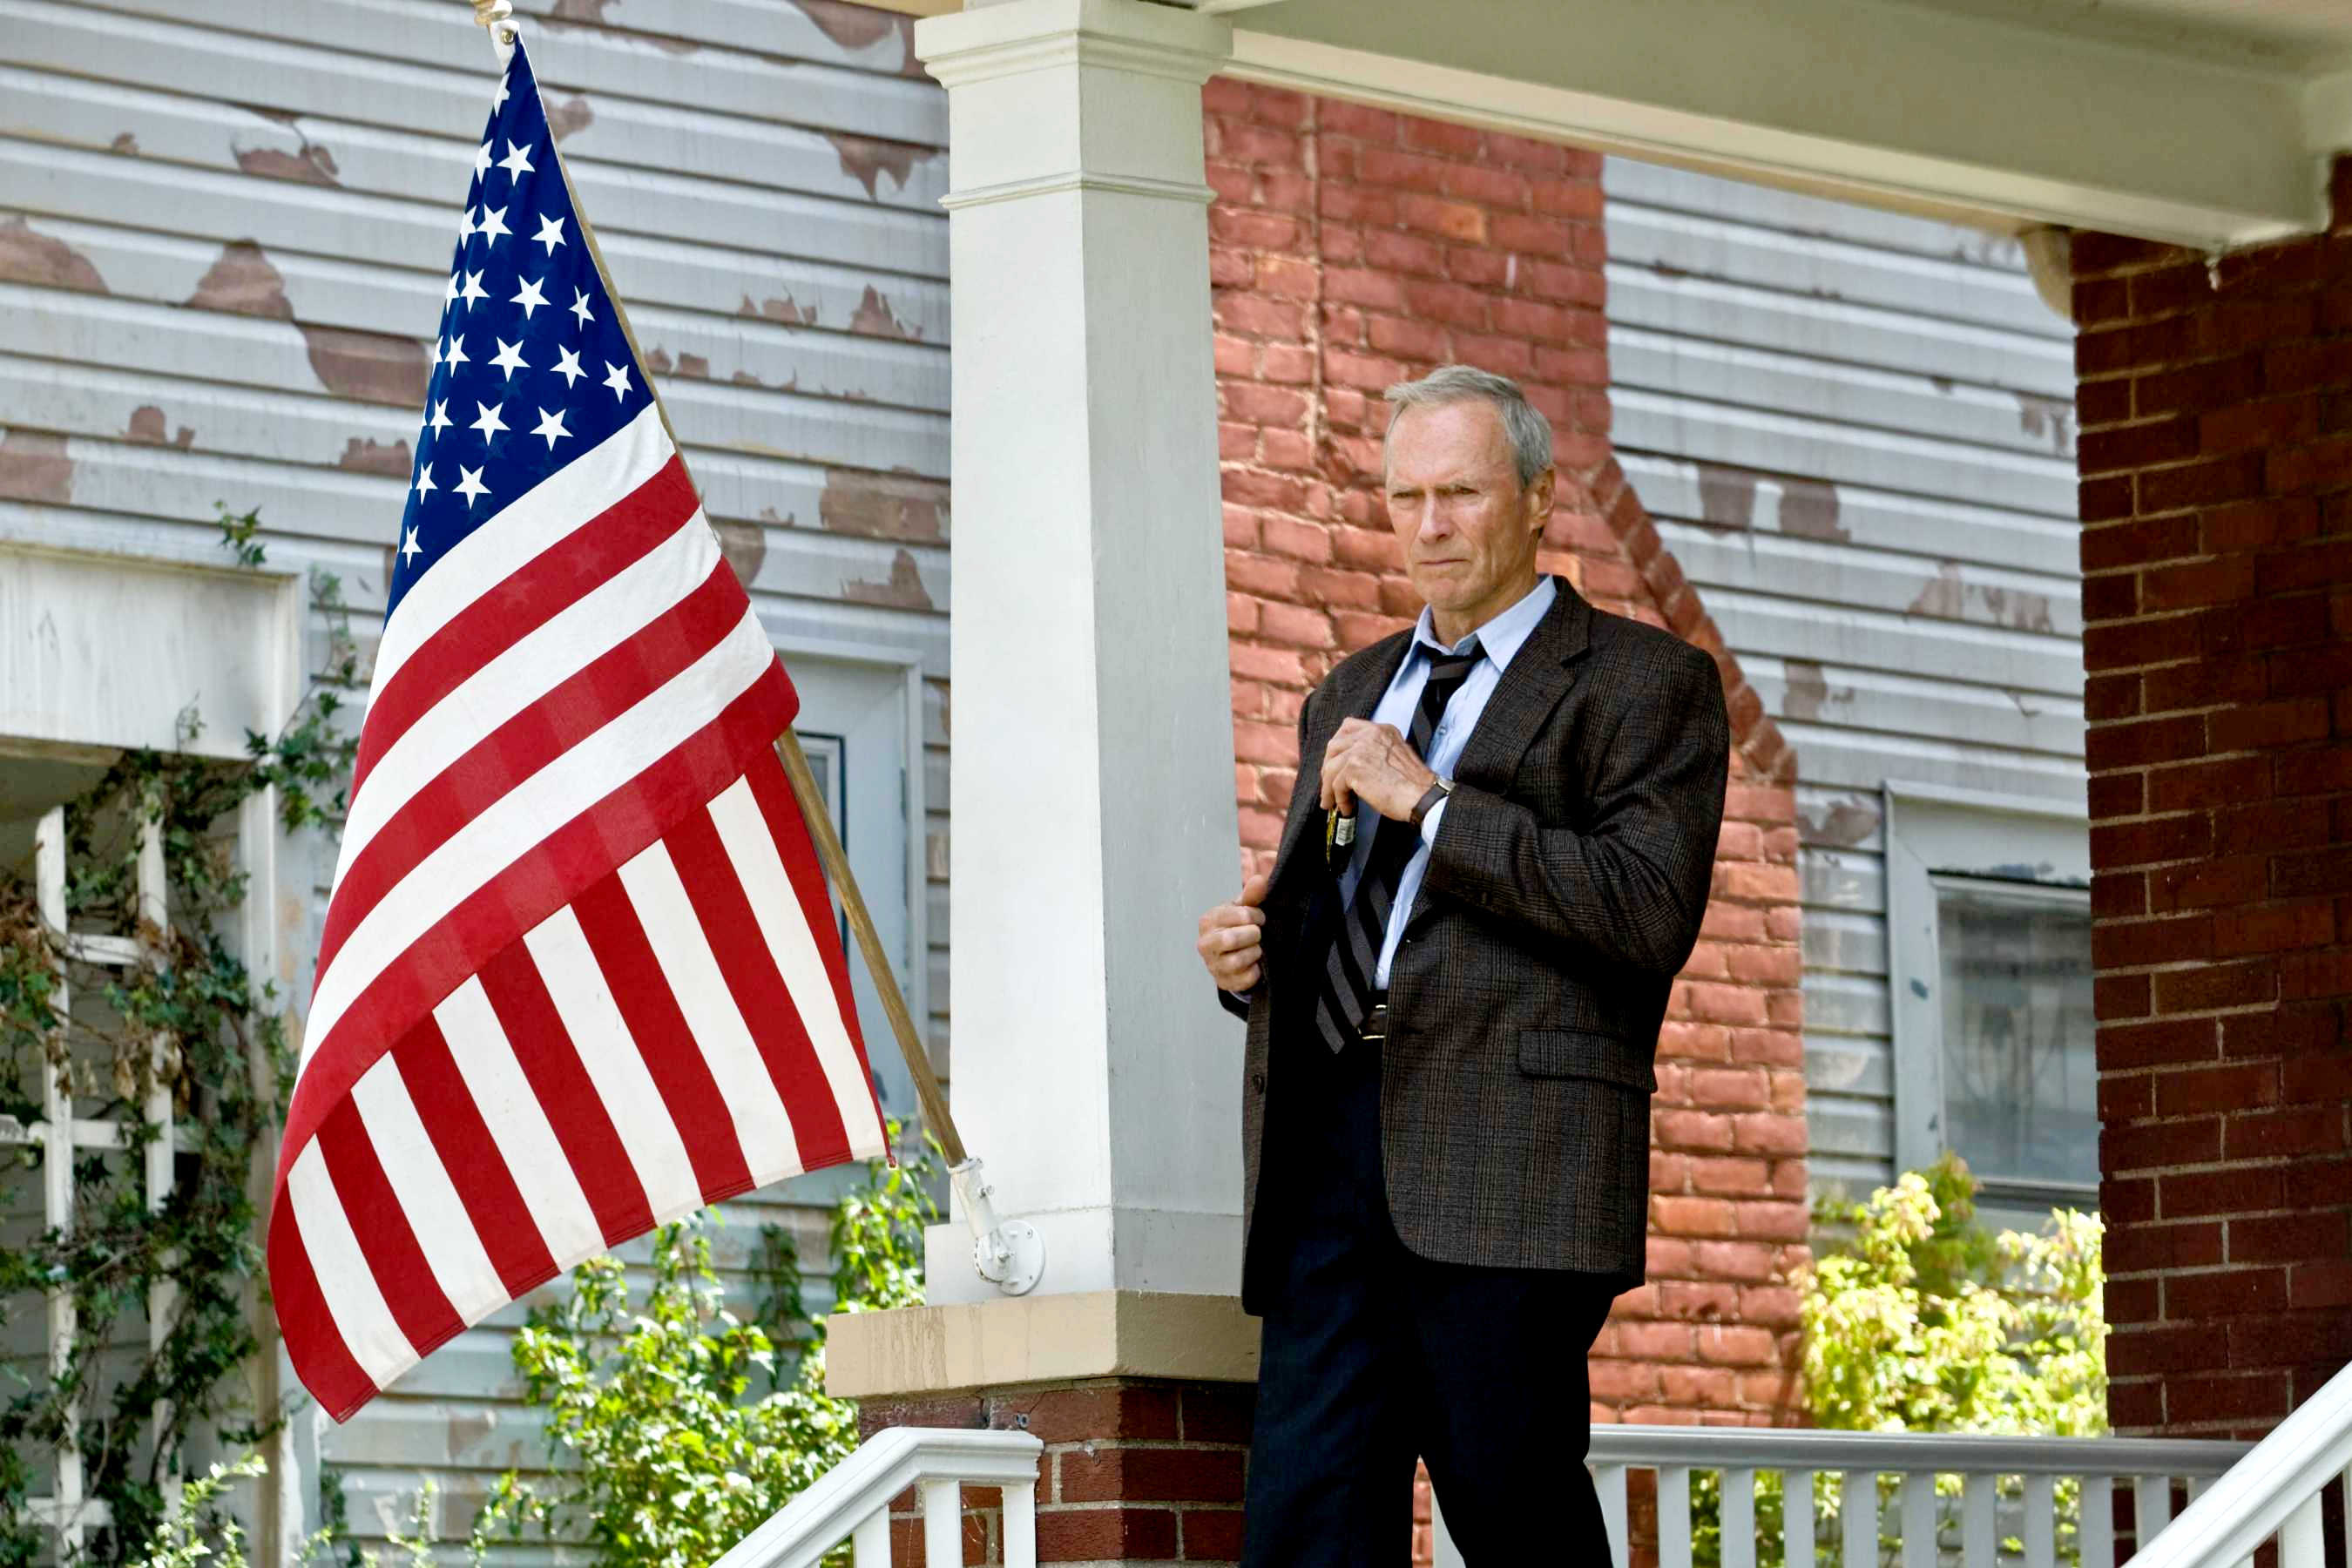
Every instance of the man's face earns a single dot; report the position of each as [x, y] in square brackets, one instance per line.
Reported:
[1466, 529]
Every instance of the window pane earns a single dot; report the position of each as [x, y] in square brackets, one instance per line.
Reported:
[2021, 1081]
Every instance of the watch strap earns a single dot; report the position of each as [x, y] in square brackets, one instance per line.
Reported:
[1428, 802]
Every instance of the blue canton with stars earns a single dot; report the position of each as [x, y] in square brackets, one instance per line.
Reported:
[530, 368]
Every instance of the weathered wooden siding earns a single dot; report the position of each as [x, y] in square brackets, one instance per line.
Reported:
[1857, 432]
[223, 231]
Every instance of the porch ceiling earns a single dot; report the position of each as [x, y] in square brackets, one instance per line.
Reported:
[2204, 122]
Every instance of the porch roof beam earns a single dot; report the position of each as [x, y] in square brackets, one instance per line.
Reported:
[1986, 119]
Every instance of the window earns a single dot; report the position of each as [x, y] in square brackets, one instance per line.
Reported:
[1988, 924]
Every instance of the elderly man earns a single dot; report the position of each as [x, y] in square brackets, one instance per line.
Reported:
[1496, 860]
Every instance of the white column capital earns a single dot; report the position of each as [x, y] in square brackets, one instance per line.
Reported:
[1018, 36]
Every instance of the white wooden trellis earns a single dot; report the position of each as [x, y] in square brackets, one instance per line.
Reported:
[60, 1136]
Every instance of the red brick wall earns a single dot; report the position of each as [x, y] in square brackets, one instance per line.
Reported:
[2216, 456]
[1352, 249]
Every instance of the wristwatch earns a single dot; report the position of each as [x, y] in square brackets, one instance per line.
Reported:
[1428, 803]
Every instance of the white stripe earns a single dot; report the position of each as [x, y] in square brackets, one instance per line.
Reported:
[344, 1279]
[777, 907]
[518, 1125]
[564, 501]
[427, 1197]
[763, 1126]
[615, 1065]
[509, 826]
[611, 613]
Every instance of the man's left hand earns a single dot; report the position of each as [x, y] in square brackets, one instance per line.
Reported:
[1373, 762]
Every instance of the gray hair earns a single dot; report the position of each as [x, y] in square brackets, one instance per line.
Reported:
[1530, 431]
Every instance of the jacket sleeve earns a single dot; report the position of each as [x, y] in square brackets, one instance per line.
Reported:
[1237, 1003]
[1632, 888]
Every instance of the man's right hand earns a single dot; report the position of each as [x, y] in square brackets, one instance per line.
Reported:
[1231, 935]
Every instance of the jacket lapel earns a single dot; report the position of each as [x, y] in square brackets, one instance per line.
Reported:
[1357, 689]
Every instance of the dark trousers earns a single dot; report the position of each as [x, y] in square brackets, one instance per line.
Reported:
[1374, 1356]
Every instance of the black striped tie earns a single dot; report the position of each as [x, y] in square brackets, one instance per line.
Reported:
[1350, 973]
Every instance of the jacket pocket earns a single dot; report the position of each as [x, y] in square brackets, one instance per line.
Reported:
[1585, 1053]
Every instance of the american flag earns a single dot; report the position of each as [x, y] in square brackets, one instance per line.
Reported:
[579, 973]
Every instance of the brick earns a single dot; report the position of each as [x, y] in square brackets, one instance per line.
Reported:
[2186, 1194]
[2273, 929]
[2142, 742]
[2233, 477]
[2159, 1145]
[2196, 389]
[2241, 984]
[2253, 1398]
[2204, 784]
[1210, 1534]
[2269, 725]
[2303, 1130]
[1692, 1217]
[1218, 1412]
[2240, 1087]
[2192, 583]
[2122, 944]
[2131, 446]
[1151, 1475]
[1099, 1534]
[2158, 839]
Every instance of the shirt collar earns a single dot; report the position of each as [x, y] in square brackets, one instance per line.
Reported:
[1499, 638]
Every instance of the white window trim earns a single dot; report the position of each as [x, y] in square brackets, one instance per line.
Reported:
[1940, 829]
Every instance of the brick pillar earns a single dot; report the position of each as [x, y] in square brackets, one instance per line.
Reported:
[2216, 410]
[1350, 248]
[1135, 1469]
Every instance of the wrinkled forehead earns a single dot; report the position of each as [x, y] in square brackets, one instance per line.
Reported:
[1439, 443]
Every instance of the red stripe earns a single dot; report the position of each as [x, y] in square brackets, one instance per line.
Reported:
[760, 996]
[798, 851]
[543, 1048]
[617, 938]
[321, 1360]
[539, 881]
[383, 1231]
[575, 709]
[517, 605]
[510, 1234]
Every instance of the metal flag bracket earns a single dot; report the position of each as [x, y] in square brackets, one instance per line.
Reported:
[1009, 1253]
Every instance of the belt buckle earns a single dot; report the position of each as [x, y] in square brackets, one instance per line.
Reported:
[1376, 1023]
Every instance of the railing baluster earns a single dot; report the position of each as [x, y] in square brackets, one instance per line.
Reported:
[1797, 1519]
[1609, 1480]
[2151, 1506]
[1738, 1518]
[1674, 1516]
[1980, 1541]
[2098, 1523]
[1021, 1525]
[1858, 1501]
[942, 1524]
[870, 1545]
[2040, 1522]
[2302, 1543]
[1919, 1519]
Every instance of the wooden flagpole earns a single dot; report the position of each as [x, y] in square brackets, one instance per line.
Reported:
[502, 29]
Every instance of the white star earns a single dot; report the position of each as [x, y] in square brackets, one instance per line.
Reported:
[469, 484]
[493, 225]
[618, 380]
[408, 548]
[517, 162]
[499, 101]
[550, 425]
[481, 159]
[423, 486]
[567, 366]
[440, 420]
[580, 306]
[467, 223]
[449, 295]
[531, 298]
[509, 358]
[490, 424]
[550, 234]
[454, 354]
[473, 290]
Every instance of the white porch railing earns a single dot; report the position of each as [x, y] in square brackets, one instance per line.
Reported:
[852, 1502]
[1977, 1519]
[2275, 1491]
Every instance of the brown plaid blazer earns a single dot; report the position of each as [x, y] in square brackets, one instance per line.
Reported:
[1563, 893]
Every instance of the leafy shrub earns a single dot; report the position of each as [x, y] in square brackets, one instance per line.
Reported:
[1924, 1321]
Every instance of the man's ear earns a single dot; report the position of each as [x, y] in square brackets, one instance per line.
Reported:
[1539, 501]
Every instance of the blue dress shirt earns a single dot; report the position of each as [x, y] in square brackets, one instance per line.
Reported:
[1499, 641]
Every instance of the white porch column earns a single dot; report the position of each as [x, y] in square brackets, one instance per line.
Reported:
[1092, 783]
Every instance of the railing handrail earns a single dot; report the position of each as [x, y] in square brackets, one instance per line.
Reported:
[2282, 1473]
[1807, 1448]
[799, 1534]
